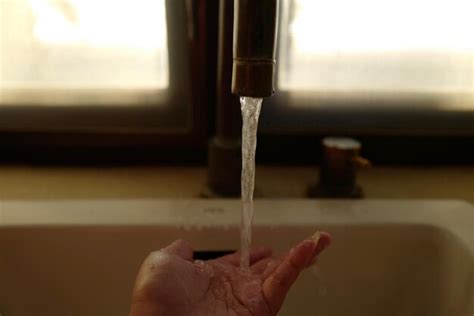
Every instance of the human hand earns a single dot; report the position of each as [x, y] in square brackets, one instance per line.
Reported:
[170, 282]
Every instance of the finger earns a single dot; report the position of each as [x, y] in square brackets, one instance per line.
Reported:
[279, 282]
[256, 254]
[267, 266]
[323, 240]
[272, 266]
[261, 266]
[180, 248]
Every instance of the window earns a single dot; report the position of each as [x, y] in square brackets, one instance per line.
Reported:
[83, 44]
[373, 66]
[95, 65]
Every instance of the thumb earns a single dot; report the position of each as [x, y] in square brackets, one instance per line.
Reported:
[180, 248]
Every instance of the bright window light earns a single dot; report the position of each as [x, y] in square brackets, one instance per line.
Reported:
[419, 46]
[83, 44]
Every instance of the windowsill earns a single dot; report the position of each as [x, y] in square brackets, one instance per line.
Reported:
[67, 97]
[30, 183]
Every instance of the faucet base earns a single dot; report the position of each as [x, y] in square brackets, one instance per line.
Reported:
[224, 168]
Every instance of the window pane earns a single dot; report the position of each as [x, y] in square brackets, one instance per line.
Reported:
[83, 44]
[419, 46]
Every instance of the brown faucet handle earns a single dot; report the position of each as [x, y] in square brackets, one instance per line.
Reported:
[337, 177]
[361, 162]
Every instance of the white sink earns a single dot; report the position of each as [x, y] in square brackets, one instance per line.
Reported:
[389, 257]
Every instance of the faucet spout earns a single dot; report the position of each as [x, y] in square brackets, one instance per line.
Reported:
[255, 32]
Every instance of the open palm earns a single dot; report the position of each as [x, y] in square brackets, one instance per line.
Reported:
[170, 282]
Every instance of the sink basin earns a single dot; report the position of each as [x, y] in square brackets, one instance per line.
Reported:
[389, 257]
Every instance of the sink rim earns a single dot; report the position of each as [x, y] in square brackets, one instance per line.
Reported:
[454, 216]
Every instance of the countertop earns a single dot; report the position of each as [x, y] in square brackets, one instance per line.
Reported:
[32, 183]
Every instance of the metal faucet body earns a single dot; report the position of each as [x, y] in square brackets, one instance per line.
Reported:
[255, 34]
